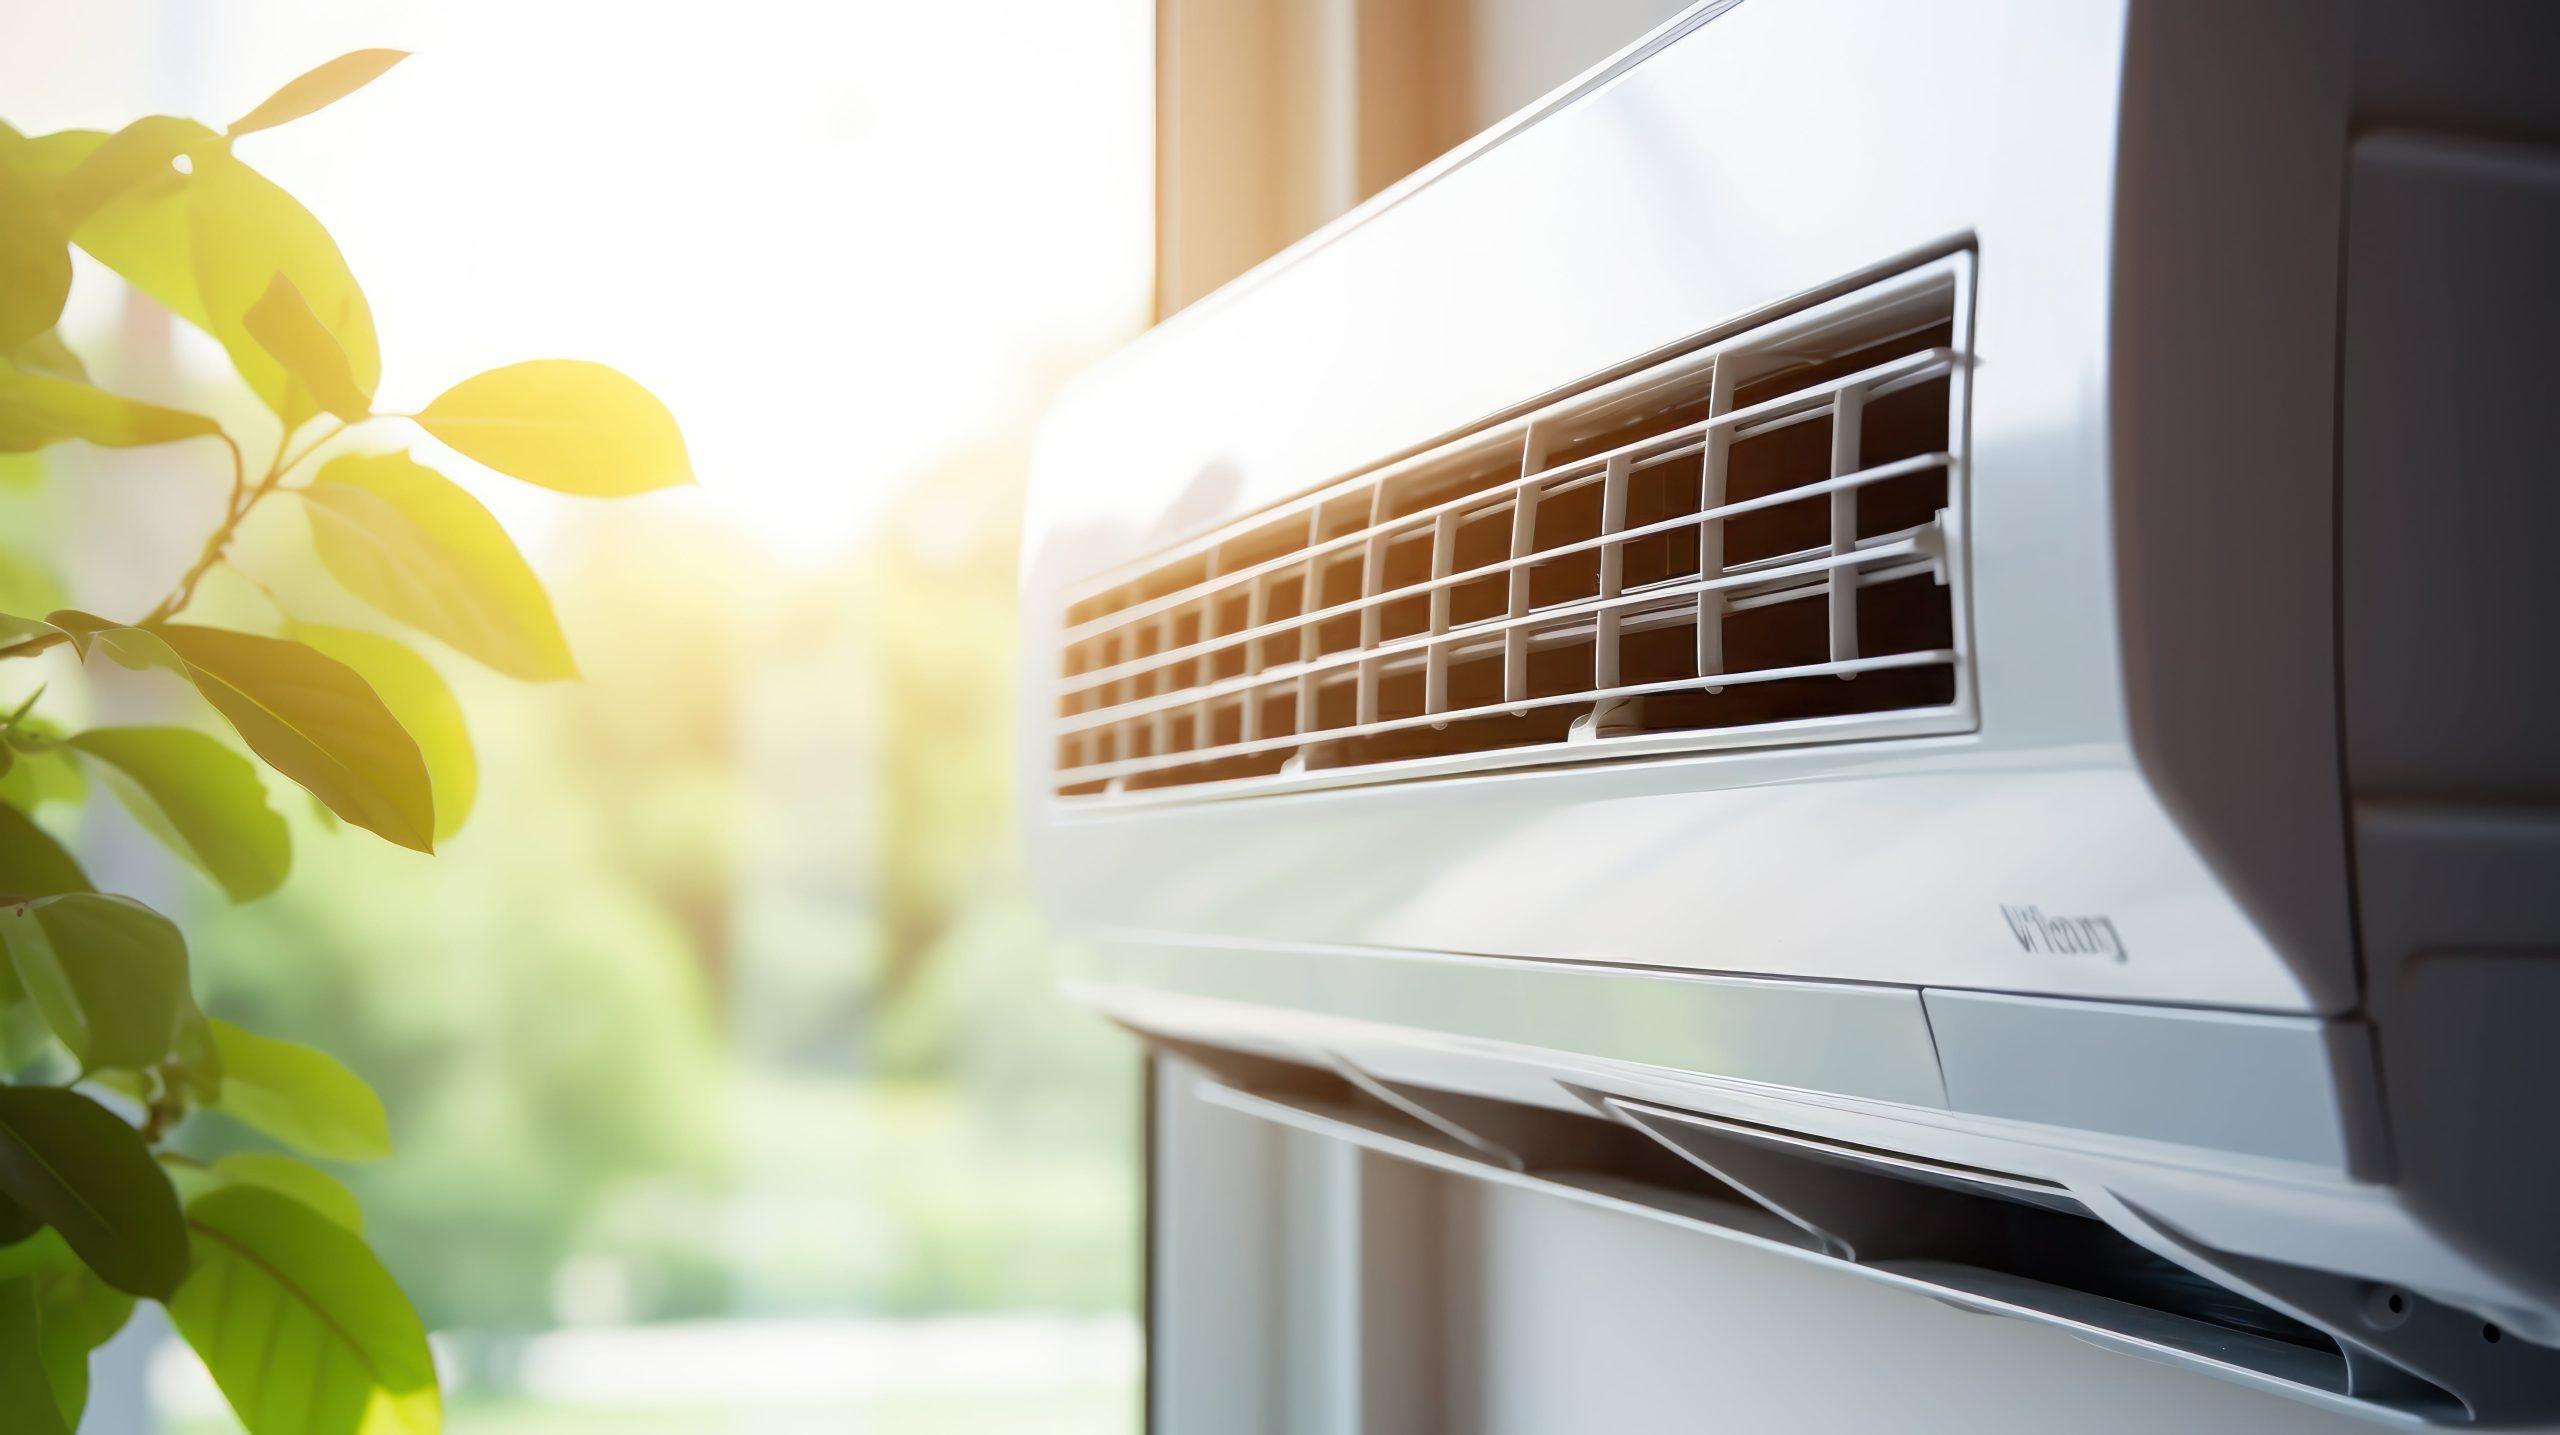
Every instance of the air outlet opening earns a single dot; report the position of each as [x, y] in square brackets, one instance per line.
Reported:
[1754, 542]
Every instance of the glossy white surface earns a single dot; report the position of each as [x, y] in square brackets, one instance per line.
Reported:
[1683, 195]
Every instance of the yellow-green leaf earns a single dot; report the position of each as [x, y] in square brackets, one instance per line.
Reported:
[303, 1097]
[39, 778]
[46, 353]
[140, 233]
[283, 324]
[109, 974]
[141, 153]
[410, 542]
[418, 696]
[318, 87]
[85, 1173]
[244, 232]
[35, 250]
[283, 1175]
[38, 409]
[299, 1324]
[198, 1058]
[313, 719]
[130, 647]
[201, 798]
[563, 424]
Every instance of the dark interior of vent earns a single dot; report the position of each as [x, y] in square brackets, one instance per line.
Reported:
[1415, 491]
[1222, 769]
[1226, 723]
[1337, 703]
[1462, 735]
[1768, 386]
[1270, 541]
[1674, 406]
[1230, 617]
[1658, 492]
[1560, 663]
[1406, 563]
[1773, 461]
[1276, 710]
[1564, 517]
[1283, 600]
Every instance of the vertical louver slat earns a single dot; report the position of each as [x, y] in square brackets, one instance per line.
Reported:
[1848, 408]
[1524, 532]
[1613, 572]
[1444, 553]
[1712, 477]
[1691, 555]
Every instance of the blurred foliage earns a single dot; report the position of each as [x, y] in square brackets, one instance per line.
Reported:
[104, 1043]
[730, 999]
[605, 1051]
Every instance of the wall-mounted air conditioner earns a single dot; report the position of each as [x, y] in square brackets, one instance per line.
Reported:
[1914, 633]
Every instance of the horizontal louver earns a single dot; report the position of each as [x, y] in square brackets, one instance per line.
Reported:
[1755, 542]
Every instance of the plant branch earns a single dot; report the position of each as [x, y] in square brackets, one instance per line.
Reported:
[244, 498]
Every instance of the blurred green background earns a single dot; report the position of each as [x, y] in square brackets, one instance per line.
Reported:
[729, 1084]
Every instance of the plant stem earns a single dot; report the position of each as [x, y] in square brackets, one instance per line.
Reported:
[244, 499]
[245, 496]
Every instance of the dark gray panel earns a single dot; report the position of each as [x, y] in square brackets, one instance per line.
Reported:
[2223, 360]
[2451, 497]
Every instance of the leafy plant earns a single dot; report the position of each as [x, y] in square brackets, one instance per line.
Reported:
[259, 1257]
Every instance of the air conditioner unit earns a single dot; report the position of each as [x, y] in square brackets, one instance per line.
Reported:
[1918, 634]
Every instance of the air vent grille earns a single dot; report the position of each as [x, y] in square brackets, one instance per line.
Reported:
[1756, 542]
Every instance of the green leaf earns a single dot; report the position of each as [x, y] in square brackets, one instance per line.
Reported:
[564, 424]
[283, 1175]
[201, 798]
[88, 1175]
[75, 1313]
[299, 1323]
[32, 864]
[39, 409]
[283, 324]
[304, 1098]
[47, 354]
[410, 542]
[142, 234]
[139, 154]
[41, 777]
[39, 1253]
[29, 581]
[28, 1401]
[18, 1225]
[199, 1059]
[319, 87]
[109, 974]
[130, 647]
[244, 232]
[35, 250]
[312, 719]
[417, 695]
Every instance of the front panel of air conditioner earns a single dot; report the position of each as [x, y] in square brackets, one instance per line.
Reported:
[1793, 587]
